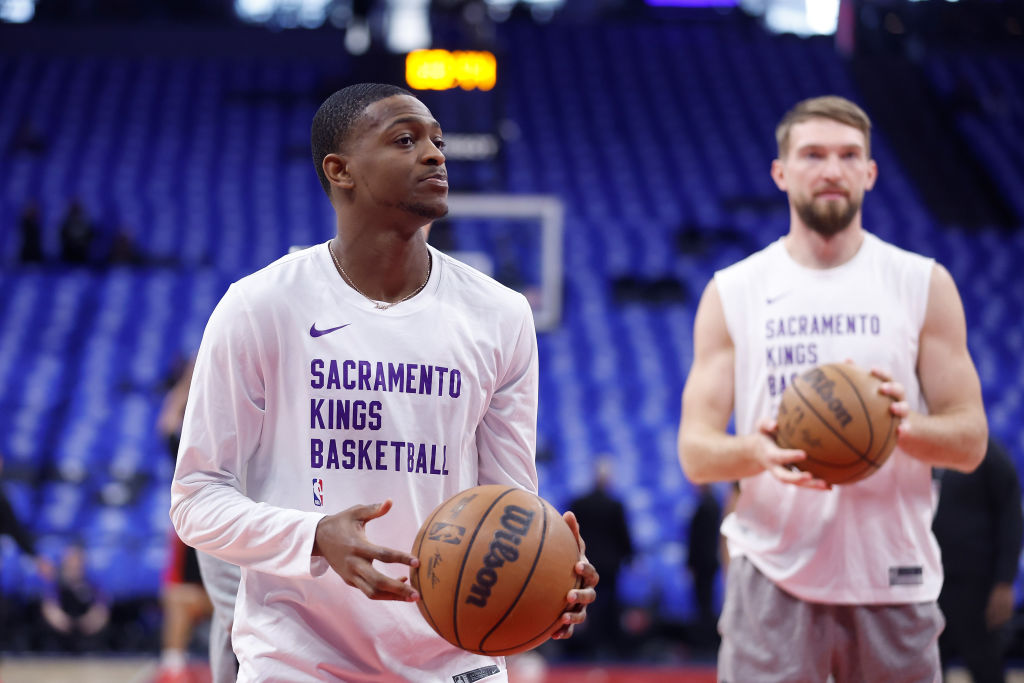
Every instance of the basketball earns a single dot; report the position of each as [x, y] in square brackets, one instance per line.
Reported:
[496, 565]
[835, 414]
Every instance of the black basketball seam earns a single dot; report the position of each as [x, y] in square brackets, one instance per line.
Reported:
[893, 424]
[864, 407]
[526, 581]
[859, 474]
[796, 390]
[465, 556]
[783, 442]
[546, 631]
[419, 548]
[866, 457]
[515, 648]
[835, 465]
[871, 462]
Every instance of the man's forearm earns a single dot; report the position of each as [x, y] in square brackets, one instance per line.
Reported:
[952, 440]
[709, 456]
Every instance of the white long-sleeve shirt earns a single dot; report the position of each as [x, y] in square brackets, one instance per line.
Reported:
[307, 400]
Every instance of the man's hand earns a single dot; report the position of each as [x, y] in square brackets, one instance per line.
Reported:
[1000, 606]
[897, 392]
[56, 617]
[94, 620]
[578, 598]
[779, 461]
[341, 540]
[45, 568]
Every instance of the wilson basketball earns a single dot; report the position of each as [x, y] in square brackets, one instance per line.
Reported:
[835, 414]
[496, 565]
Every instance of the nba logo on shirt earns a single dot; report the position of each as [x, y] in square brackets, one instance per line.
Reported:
[318, 492]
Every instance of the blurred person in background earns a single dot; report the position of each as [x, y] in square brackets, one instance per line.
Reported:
[185, 604]
[76, 235]
[703, 561]
[183, 598]
[202, 585]
[76, 611]
[31, 229]
[979, 525]
[29, 139]
[11, 526]
[609, 550]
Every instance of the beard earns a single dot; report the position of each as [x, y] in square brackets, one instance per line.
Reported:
[827, 218]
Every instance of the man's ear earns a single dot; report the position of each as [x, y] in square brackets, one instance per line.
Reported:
[337, 171]
[872, 174]
[778, 173]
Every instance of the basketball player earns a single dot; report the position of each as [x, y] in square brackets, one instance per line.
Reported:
[183, 596]
[341, 394]
[843, 580]
[207, 586]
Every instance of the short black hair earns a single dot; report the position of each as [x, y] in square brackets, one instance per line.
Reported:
[333, 121]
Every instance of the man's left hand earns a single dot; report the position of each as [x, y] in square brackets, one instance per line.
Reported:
[578, 598]
[1000, 606]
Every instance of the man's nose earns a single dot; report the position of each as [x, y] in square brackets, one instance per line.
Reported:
[433, 155]
[833, 169]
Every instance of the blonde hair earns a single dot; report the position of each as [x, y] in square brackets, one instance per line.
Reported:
[826, 107]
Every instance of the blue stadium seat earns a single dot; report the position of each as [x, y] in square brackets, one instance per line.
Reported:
[642, 130]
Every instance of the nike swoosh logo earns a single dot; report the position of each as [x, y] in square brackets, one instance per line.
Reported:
[772, 299]
[313, 332]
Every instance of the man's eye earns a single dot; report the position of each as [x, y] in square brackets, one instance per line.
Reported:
[440, 144]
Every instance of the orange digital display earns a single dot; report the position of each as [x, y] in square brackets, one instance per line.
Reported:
[444, 70]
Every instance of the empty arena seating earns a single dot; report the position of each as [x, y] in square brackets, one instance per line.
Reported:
[648, 132]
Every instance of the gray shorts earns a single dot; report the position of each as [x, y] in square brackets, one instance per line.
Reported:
[768, 635]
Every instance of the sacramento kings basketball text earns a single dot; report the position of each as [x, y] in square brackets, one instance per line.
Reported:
[358, 414]
[792, 342]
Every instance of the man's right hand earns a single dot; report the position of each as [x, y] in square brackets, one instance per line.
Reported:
[341, 540]
[46, 569]
[779, 461]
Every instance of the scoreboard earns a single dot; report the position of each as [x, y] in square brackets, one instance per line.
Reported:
[445, 70]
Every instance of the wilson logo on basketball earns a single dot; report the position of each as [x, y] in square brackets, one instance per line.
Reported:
[824, 388]
[516, 523]
[504, 587]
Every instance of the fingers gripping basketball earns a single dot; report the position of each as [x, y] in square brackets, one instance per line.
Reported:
[836, 415]
[496, 566]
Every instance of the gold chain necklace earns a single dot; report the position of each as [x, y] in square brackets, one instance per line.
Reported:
[380, 305]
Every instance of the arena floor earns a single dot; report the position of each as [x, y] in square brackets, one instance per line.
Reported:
[143, 670]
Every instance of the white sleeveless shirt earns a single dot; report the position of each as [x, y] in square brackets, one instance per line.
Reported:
[864, 543]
